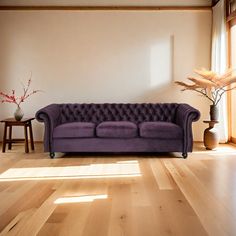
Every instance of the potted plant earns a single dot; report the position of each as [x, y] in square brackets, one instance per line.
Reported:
[212, 86]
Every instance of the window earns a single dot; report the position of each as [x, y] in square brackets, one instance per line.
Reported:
[231, 18]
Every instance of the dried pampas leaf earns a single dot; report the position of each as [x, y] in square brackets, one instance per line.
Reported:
[202, 83]
[207, 74]
[187, 86]
[228, 81]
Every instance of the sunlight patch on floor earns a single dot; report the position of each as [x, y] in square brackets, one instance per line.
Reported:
[114, 170]
[222, 149]
[79, 199]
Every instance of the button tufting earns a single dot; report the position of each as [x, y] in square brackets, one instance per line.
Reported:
[120, 112]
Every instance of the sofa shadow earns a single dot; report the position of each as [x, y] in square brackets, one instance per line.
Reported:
[120, 155]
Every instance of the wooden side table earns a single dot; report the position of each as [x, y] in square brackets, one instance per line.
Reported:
[11, 122]
[211, 135]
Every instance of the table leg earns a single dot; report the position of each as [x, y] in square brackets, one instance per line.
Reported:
[26, 139]
[4, 138]
[10, 136]
[31, 136]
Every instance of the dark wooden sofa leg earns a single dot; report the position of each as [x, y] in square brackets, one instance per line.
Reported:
[184, 155]
[52, 154]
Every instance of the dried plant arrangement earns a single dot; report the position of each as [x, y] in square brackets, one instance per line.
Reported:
[211, 85]
[12, 98]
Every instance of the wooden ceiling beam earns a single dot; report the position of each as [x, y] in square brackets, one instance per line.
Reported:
[104, 8]
[232, 16]
[231, 10]
[214, 2]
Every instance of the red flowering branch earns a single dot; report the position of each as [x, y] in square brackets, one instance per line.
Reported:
[12, 98]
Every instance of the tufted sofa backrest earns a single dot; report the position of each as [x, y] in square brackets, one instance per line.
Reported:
[136, 113]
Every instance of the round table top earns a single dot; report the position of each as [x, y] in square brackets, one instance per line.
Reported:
[211, 121]
[13, 120]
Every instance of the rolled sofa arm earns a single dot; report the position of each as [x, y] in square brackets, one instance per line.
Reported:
[50, 115]
[185, 115]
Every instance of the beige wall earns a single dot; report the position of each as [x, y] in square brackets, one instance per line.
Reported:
[103, 56]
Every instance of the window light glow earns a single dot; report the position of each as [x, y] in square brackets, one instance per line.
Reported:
[161, 62]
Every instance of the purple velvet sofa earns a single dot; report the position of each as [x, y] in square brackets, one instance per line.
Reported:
[161, 127]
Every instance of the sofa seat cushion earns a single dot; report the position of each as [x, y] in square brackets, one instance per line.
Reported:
[117, 129]
[75, 130]
[160, 129]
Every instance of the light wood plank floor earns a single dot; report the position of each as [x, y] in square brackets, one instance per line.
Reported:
[118, 195]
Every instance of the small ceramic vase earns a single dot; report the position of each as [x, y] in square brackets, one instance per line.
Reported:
[18, 113]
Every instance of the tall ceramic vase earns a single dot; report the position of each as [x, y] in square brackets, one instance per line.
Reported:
[18, 113]
[214, 113]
